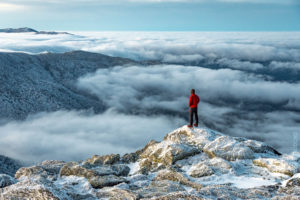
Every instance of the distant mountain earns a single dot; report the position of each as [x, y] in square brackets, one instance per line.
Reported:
[47, 82]
[18, 30]
[29, 30]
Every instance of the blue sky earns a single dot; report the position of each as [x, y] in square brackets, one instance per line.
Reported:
[152, 15]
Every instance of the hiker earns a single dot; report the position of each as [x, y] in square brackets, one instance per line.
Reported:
[193, 104]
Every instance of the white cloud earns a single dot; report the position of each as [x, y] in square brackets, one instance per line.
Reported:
[148, 87]
[75, 135]
[285, 65]
[166, 46]
[236, 64]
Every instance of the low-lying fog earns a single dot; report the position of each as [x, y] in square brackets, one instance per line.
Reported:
[248, 84]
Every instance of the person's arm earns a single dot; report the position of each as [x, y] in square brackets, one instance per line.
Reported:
[190, 101]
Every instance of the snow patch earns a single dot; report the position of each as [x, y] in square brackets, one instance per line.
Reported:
[79, 185]
[134, 167]
[286, 181]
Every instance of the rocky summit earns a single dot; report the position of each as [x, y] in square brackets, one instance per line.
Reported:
[195, 163]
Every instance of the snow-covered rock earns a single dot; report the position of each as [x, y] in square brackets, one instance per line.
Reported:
[103, 160]
[160, 188]
[115, 193]
[46, 169]
[164, 154]
[174, 176]
[278, 165]
[293, 182]
[6, 180]
[98, 177]
[105, 181]
[185, 142]
[228, 148]
[188, 163]
[33, 189]
[76, 187]
[201, 170]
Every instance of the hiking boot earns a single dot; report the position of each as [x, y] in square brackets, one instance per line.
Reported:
[196, 125]
[190, 126]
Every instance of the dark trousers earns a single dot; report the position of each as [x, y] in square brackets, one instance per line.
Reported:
[193, 111]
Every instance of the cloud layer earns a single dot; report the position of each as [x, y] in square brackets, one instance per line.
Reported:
[166, 84]
[167, 46]
[232, 101]
[74, 135]
[248, 82]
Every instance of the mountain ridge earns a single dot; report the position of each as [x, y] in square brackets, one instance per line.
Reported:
[30, 30]
[47, 82]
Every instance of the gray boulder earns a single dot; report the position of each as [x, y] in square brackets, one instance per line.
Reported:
[120, 170]
[176, 195]
[160, 188]
[103, 160]
[130, 157]
[116, 194]
[46, 169]
[156, 156]
[95, 176]
[32, 189]
[174, 176]
[201, 170]
[226, 191]
[105, 181]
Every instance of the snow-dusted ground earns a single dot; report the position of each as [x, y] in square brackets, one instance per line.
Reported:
[242, 173]
[187, 163]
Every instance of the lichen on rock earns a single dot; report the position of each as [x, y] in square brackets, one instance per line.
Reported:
[201, 170]
[96, 177]
[103, 160]
[174, 176]
[46, 169]
[278, 165]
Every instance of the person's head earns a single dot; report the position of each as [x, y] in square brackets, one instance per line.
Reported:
[192, 91]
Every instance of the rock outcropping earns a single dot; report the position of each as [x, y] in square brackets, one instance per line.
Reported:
[187, 164]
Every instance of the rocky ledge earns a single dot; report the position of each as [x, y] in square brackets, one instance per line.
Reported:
[191, 164]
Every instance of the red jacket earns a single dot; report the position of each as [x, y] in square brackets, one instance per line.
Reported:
[194, 100]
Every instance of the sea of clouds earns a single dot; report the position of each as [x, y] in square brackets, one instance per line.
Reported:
[248, 84]
[164, 89]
